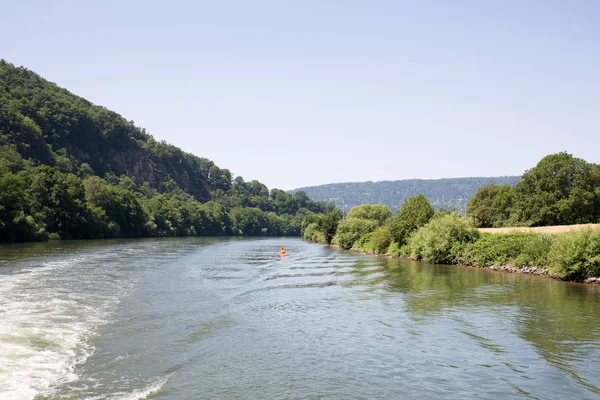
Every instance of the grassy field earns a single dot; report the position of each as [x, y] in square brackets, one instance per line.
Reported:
[542, 229]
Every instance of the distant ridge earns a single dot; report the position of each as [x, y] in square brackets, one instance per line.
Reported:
[445, 193]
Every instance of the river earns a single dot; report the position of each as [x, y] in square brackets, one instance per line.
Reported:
[207, 318]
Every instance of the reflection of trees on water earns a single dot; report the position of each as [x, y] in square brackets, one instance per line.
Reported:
[560, 320]
[563, 324]
[14, 252]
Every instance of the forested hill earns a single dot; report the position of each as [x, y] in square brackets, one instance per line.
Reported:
[442, 193]
[57, 128]
[71, 169]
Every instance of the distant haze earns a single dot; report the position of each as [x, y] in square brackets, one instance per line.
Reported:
[308, 92]
[442, 193]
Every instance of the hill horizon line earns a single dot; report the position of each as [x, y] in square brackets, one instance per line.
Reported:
[407, 180]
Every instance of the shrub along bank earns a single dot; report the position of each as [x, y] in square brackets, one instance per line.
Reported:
[450, 238]
[560, 189]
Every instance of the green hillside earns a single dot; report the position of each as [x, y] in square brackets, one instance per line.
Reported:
[72, 169]
[452, 193]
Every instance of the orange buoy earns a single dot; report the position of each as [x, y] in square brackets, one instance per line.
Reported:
[282, 251]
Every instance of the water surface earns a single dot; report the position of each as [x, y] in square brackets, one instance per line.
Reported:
[206, 318]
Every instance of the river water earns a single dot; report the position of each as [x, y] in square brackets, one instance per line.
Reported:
[206, 318]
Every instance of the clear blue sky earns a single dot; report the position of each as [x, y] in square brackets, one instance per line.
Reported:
[300, 93]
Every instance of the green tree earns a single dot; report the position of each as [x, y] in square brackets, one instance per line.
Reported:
[327, 225]
[440, 240]
[414, 213]
[120, 209]
[16, 221]
[301, 200]
[283, 202]
[576, 255]
[58, 200]
[10, 160]
[377, 212]
[215, 220]
[559, 190]
[381, 240]
[352, 229]
[490, 206]
[249, 221]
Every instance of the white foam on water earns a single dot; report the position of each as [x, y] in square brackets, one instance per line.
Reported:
[138, 394]
[143, 393]
[47, 317]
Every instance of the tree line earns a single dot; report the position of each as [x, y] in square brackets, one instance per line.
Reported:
[71, 169]
[560, 189]
[38, 202]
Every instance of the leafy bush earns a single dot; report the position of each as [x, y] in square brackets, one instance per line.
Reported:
[377, 212]
[504, 249]
[535, 252]
[312, 234]
[576, 255]
[441, 240]
[352, 229]
[394, 250]
[364, 243]
[381, 240]
[414, 213]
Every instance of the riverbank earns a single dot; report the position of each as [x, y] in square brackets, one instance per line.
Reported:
[451, 239]
[500, 268]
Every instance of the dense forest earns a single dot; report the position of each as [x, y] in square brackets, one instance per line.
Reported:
[560, 189]
[71, 169]
[452, 193]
